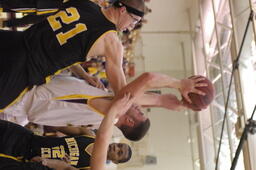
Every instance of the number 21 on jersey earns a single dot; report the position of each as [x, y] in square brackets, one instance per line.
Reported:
[67, 16]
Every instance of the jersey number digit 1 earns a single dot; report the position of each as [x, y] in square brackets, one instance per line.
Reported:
[68, 16]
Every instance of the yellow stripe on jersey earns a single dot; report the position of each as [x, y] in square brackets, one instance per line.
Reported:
[46, 11]
[86, 149]
[14, 101]
[74, 96]
[24, 11]
[89, 136]
[48, 78]
[85, 168]
[8, 156]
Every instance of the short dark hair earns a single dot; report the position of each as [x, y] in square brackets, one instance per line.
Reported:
[135, 133]
[128, 157]
[137, 4]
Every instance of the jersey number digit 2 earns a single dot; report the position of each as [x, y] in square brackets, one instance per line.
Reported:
[68, 16]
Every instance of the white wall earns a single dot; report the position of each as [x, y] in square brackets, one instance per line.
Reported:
[161, 51]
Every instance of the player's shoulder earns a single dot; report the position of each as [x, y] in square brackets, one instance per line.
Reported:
[112, 37]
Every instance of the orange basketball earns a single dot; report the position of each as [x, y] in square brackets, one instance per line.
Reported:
[200, 102]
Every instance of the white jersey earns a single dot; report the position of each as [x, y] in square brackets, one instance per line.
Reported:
[49, 104]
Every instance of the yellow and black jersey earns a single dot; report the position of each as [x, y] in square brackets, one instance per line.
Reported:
[64, 39]
[20, 144]
[46, 48]
[56, 148]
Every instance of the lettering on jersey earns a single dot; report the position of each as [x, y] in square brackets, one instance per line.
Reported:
[73, 150]
[67, 16]
[54, 152]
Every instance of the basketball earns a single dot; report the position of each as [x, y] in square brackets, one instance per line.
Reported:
[200, 102]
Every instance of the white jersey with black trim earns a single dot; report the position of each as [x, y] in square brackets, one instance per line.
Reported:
[47, 104]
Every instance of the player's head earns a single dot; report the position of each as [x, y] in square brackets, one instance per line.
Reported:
[134, 125]
[130, 13]
[119, 153]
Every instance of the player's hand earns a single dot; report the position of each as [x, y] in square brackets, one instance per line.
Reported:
[189, 86]
[36, 159]
[122, 104]
[66, 158]
[95, 81]
[57, 164]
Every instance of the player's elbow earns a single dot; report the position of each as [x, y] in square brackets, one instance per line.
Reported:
[148, 77]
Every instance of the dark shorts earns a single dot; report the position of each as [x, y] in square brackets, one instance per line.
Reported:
[15, 140]
[13, 72]
[10, 164]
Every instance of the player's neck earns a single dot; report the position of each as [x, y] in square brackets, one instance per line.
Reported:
[110, 14]
[89, 149]
[101, 104]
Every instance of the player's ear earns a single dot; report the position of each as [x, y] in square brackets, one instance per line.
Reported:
[122, 9]
[129, 121]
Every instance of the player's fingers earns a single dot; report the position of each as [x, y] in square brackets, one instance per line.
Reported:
[195, 77]
[199, 92]
[187, 97]
[198, 79]
[45, 162]
[201, 84]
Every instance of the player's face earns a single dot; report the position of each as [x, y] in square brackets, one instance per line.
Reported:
[136, 114]
[118, 151]
[127, 20]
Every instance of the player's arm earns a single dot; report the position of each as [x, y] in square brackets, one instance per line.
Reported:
[53, 163]
[114, 60]
[151, 80]
[168, 101]
[57, 164]
[80, 72]
[105, 131]
[74, 131]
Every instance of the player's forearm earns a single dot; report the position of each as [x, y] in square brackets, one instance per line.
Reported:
[104, 134]
[149, 100]
[80, 72]
[101, 143]
[116, 77]
[74, 131]
[157, 80]
[57, 164]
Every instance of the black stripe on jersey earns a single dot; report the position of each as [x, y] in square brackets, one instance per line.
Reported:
[80, 101]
